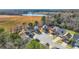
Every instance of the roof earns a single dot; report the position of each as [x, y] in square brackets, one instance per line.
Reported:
[76, 37]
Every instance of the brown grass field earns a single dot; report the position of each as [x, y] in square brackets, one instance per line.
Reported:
[8, 21]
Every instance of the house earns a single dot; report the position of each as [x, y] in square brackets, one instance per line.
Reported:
[58, 30]
[23, 35]
[76, 36]
[68, 35]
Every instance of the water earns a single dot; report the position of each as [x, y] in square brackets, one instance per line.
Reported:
[33, 14]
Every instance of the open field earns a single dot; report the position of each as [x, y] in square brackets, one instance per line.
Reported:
[8, 22]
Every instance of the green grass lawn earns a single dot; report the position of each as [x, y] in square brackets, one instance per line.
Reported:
[72, 32]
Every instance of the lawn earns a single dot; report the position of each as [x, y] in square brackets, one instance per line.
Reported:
[72, 32]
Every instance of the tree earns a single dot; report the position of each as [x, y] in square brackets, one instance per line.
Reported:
[1, 30]
[30, 27]
[2, 39]
[36, 23]
[43, 20]
[14, 36]
[34, 44]
[16, 39]
[4, 36]
[30, 24]
[57, 20]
